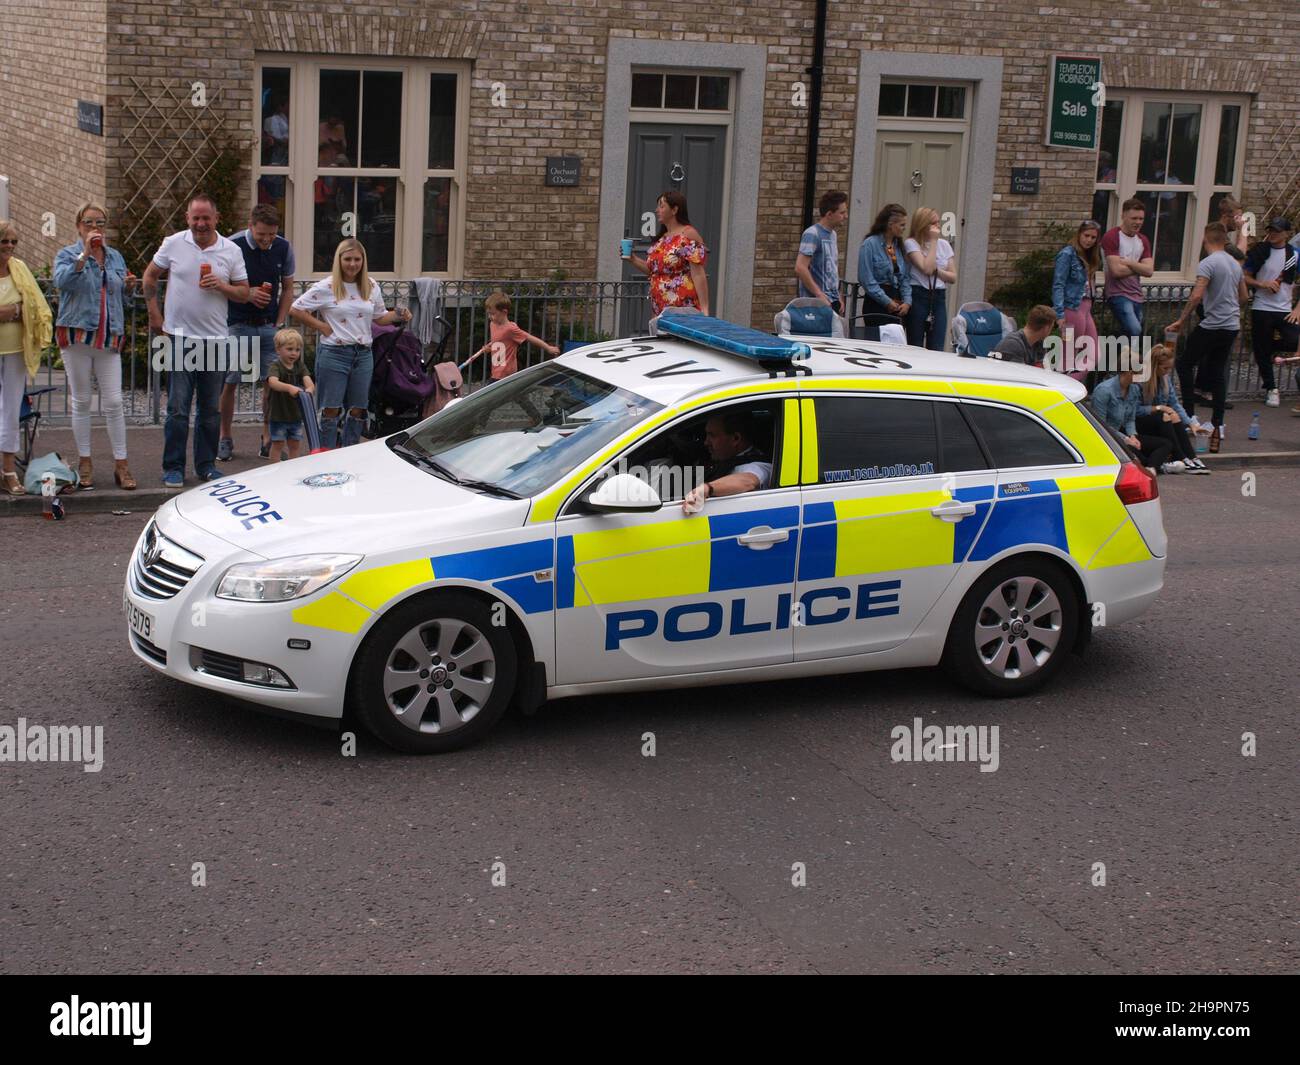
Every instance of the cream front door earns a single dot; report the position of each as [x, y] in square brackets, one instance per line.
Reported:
[920, 169]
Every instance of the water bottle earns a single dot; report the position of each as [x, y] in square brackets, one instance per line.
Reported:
[1253, 433]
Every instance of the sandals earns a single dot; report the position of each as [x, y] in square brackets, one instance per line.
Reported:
[122, 475]
[85, 472]
[12, 484]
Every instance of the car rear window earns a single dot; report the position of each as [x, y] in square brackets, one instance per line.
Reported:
[1015, 439]
[1106, 432]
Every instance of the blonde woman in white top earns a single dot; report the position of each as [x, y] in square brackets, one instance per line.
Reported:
[342, 308]
[931, 261]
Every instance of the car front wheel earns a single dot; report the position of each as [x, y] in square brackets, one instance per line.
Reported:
[435, 674]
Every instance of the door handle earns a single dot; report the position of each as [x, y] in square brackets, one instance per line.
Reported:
[953, 510]
[763, 536]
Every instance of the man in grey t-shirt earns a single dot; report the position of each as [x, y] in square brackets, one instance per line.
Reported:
[1221, 288]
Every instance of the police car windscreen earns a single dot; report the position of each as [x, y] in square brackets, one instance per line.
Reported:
[528, 430]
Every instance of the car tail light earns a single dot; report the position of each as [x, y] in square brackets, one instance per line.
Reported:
[1135, 484]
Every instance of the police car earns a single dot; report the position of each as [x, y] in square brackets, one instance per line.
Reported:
[530, 542]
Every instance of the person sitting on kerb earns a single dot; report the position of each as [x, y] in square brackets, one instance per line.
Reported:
[738, 464]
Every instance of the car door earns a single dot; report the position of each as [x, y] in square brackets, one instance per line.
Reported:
[895, 492]
[663, 593]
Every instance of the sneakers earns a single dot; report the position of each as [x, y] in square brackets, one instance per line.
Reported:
[1295, 409]
[173, 480]
[1274, 398]
[213, 474]
[1173, 467]
[1196, 466]
[225, 449]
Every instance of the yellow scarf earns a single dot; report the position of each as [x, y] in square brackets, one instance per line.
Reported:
[37, 321]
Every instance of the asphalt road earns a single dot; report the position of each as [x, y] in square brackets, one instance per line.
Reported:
[615, 862]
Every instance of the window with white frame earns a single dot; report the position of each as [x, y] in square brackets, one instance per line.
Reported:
[1180, 154]
[369, 148]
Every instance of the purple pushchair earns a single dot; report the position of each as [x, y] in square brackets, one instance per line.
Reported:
[401, 386]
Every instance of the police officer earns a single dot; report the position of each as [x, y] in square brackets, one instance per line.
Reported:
[738, 464]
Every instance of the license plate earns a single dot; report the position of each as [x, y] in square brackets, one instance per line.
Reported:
[140, 621]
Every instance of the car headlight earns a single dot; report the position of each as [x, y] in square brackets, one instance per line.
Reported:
[283, 578]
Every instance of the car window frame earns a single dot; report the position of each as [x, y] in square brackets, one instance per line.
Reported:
[979, 401]
[567, 509]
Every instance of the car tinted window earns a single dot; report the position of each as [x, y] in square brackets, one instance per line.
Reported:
[961, 451]
[1015, 439]
[864, 438]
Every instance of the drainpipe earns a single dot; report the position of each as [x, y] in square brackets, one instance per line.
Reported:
[814, 114]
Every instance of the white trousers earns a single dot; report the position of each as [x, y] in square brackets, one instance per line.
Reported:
[13, 379]
[80, 361]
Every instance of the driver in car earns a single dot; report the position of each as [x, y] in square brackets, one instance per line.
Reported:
[738, 465]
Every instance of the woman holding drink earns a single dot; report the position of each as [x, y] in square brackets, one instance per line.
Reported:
[91, 278]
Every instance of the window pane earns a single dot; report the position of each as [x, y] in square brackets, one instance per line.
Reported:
[1226, 163]
[1154, 151]
[377, 221]
[333, 196]
[272, 189]
[866, 439]
[1166, 227]
[442, 121]
[1112, 116]
[437, 225]
[920, 101]
[1185, 140]
[275, 116]
[647, 90]
[952, 101]
[381, 119]
[1102, 202]
[1016, 440]
[960, 451]
[893, 99]
[679, 91]
[340, 102]
[714, 92]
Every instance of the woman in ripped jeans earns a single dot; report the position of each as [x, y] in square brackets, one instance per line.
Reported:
[342, 308]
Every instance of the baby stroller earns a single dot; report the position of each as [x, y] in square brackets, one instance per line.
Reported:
[401, 387]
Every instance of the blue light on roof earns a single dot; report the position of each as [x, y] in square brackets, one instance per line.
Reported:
[732, 338]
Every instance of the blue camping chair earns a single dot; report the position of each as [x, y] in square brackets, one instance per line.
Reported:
[29, 421]
[978, 327]
[806, 316]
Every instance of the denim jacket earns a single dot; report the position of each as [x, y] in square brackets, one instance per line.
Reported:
[1069, 281]
[1167, 397]
[79, 292]
[1116, 410]
[875, 270]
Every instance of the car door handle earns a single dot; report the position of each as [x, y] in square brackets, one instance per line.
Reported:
[763, 537]
[953, 510]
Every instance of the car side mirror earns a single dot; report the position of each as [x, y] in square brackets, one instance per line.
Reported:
[624, 493]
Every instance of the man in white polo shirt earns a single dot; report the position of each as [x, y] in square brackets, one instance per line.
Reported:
[204, 270]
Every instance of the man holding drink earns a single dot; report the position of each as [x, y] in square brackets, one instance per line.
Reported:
[204, 270]
[269, 262]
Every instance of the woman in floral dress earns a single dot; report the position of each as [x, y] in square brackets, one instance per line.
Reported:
[675, 262]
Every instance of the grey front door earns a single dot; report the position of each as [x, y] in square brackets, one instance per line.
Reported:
[691, 159]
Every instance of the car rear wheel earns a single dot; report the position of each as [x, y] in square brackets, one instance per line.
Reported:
[435, 674]
[1013, 630]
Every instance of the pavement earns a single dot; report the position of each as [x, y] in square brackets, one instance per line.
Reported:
[1278, 445]
[219, 840]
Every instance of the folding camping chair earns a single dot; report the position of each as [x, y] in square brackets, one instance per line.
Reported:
[807, 316]
[29, 421]
[978, 328]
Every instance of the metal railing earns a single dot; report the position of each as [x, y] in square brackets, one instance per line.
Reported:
[564, 313]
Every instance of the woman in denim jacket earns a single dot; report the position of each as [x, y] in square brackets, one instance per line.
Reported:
[882, 264]
[91, 278]
[1072, 294]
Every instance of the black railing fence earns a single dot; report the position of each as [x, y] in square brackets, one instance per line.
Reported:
[564, 313]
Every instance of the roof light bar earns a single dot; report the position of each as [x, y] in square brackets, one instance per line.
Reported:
[764, 348]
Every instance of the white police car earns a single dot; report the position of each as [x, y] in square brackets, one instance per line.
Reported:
[529, 542]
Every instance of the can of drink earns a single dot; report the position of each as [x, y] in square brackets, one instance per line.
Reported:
[625, 246]
[266, 285]
[204, 270]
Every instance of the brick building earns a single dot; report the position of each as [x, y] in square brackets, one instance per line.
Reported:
[431, 124]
